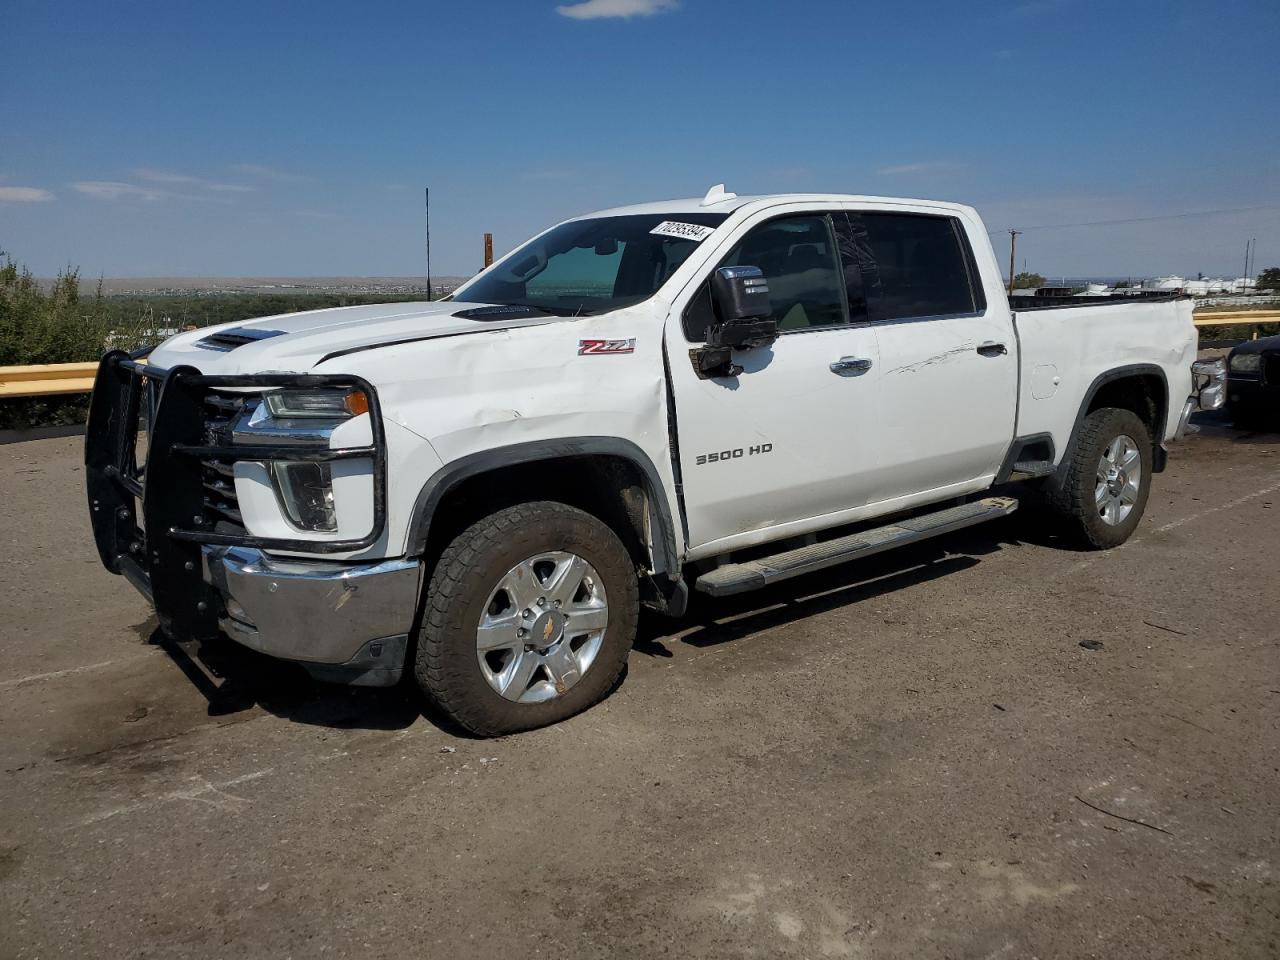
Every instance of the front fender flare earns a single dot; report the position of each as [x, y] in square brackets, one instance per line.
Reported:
[665, 548]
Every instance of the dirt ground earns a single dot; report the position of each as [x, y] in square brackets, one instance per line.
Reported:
[913, 756]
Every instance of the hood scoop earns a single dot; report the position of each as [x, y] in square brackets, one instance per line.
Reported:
[512, 311]
[227, 340]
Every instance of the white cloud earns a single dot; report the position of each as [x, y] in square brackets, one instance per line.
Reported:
[626, 9]
[115, 190]
[270, 173]
[151, 175]
[24, 195]
[163, 176]
[930, 166]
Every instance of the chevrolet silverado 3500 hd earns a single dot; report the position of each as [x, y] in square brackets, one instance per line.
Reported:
[717, 393]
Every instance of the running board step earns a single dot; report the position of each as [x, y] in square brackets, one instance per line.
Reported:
[1027, 469]
[740, 577]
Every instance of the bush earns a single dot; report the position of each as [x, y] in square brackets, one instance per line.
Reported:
[61, 326]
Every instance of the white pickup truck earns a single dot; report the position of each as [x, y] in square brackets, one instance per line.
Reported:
[718, 394]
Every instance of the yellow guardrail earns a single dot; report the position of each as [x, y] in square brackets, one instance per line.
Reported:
[47, 379]
[52, 379]
[1224, 317]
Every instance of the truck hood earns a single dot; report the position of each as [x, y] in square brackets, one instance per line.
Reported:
[297, 342]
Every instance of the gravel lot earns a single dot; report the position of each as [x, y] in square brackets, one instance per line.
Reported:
[912, 756]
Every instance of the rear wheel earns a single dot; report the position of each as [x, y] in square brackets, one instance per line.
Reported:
[529, 618]
[1108, 479]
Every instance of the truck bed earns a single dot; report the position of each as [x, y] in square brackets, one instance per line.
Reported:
[1065, 349]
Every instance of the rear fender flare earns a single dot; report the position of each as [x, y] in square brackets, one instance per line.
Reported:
[1100, 381]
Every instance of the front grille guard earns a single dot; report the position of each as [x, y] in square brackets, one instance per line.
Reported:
[149, 520]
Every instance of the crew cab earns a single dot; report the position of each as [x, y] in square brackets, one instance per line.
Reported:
[713, 394]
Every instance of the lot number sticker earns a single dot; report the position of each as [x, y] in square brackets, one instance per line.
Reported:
[685, 231]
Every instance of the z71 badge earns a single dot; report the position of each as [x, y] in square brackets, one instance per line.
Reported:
[596, 348]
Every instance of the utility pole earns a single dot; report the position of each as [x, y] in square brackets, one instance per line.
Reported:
[1013, 248]
[426, 211]
[488, 249]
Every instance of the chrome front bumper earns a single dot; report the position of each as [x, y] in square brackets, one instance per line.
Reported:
[344, 622]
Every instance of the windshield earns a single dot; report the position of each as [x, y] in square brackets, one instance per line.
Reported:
[594, 266]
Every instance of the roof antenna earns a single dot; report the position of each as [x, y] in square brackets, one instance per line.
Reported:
[715, 195]
[426, 212]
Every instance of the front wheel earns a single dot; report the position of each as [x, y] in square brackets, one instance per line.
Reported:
[529, 617]
[1108, 479]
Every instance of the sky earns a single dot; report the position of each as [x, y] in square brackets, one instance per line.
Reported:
[236, 138]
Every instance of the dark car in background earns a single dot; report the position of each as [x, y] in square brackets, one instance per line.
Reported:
[1253, 382]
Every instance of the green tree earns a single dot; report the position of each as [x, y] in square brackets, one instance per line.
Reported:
[1028, 281]
[1269, 279]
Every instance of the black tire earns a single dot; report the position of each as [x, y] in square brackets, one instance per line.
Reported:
[471, 567]
[1074, 498]
[1246, 417]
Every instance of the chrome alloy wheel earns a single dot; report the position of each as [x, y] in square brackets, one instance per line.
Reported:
[542, 627]
[1119, 477]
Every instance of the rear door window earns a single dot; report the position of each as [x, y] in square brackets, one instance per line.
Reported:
[912, 265]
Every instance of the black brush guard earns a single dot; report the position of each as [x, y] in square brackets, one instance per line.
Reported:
[149, 520]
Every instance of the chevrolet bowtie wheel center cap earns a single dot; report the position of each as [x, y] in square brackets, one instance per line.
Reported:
[545, 631]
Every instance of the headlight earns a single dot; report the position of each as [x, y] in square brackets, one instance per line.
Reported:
[305, 492]
[1212, 369]
[1246, 362]
[302, 418]
[1208, 379]
[316, 404]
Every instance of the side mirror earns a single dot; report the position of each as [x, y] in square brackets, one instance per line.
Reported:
[741, 293]
[741, 296]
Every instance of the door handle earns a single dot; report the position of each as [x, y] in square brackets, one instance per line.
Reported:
[992, 349]
[851, 365]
